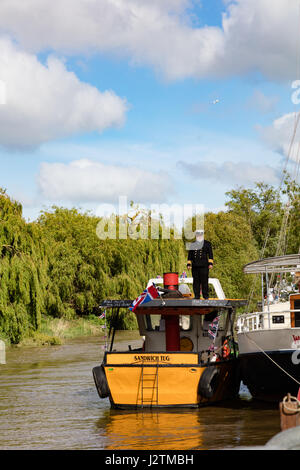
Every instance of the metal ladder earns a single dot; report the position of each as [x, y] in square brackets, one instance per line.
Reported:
[149, 381]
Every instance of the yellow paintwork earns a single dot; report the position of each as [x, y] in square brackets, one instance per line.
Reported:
[176, 386]
[142, 385]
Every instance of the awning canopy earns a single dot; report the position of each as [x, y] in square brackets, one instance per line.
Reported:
[277, 264]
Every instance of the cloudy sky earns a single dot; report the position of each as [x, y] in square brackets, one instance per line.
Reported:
[161, 101]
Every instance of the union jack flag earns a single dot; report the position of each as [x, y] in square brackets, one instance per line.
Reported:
[148, 294]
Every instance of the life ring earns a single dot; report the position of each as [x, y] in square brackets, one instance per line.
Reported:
[101, 381]
[225, 349]
[208, 382]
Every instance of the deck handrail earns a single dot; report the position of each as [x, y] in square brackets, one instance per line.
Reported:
[189, 280]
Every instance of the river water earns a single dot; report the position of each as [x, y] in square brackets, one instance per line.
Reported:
[48, 401]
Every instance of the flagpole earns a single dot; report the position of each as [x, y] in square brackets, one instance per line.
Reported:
[103, 315]
[105, 328]
[213, 332]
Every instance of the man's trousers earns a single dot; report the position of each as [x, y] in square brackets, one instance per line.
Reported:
[200, 278]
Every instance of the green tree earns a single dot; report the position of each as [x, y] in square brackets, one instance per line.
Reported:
[23, 272]
[262, 208]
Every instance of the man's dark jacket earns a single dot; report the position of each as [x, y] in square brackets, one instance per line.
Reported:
[202, 257]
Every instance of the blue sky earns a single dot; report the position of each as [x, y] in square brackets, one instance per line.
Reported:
[163, 102]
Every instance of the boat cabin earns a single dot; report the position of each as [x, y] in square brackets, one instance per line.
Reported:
[183, 324]
[179, 323]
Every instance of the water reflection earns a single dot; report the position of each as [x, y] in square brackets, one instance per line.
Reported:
[152, 429]
[233, 424]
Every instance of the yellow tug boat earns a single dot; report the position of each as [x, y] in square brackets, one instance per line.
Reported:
[188, 357]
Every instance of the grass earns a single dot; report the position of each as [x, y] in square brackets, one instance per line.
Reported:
[55, 331]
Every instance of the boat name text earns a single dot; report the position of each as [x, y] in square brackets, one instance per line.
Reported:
[159, 358]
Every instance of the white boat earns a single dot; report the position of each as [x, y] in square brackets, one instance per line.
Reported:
[269, 340]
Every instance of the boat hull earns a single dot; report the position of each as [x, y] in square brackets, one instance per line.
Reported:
[160, 380]
[265, 379]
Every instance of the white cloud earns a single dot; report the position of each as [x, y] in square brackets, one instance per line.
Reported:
[46, 102]
[89, 181]
[255, 34]
[262, 103]
[283, 135]
[241, 173]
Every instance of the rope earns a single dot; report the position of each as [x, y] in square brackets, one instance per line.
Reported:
[272, 360]
[286, 407]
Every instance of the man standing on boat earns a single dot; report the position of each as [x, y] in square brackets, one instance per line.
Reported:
[200, 259]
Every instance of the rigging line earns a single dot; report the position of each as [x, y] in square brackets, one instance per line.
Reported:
[297, 163]
[296, 122]
[274, 362]
[273, 211]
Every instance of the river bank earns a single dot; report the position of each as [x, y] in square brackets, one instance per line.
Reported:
[56, 331]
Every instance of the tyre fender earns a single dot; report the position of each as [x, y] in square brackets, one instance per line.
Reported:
[208, 382]
[101, 381]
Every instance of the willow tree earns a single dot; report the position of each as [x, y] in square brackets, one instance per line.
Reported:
[23, 277]
[85, 269]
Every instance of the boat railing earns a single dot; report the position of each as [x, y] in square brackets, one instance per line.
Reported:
[189, 280]
[249, 322]
[257, 320]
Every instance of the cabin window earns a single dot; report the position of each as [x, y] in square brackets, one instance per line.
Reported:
[185, 322]
[154, 322]
[277, 318]
[297, 314]
[157, 323]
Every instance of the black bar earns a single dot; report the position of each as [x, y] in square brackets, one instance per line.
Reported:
[114, 324]
[177, 303]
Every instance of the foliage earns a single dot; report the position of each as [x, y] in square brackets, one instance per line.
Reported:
[272, 214]
[233, 247]
[60, 268]
[23, 272]
[85, 269]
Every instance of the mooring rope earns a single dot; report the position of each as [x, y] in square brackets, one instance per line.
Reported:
[274, 362]
[289, 398]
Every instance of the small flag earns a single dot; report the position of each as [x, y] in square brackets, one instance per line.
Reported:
[102, 315]
[148, 294]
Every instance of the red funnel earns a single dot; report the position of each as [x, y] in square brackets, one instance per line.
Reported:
[171, 281]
